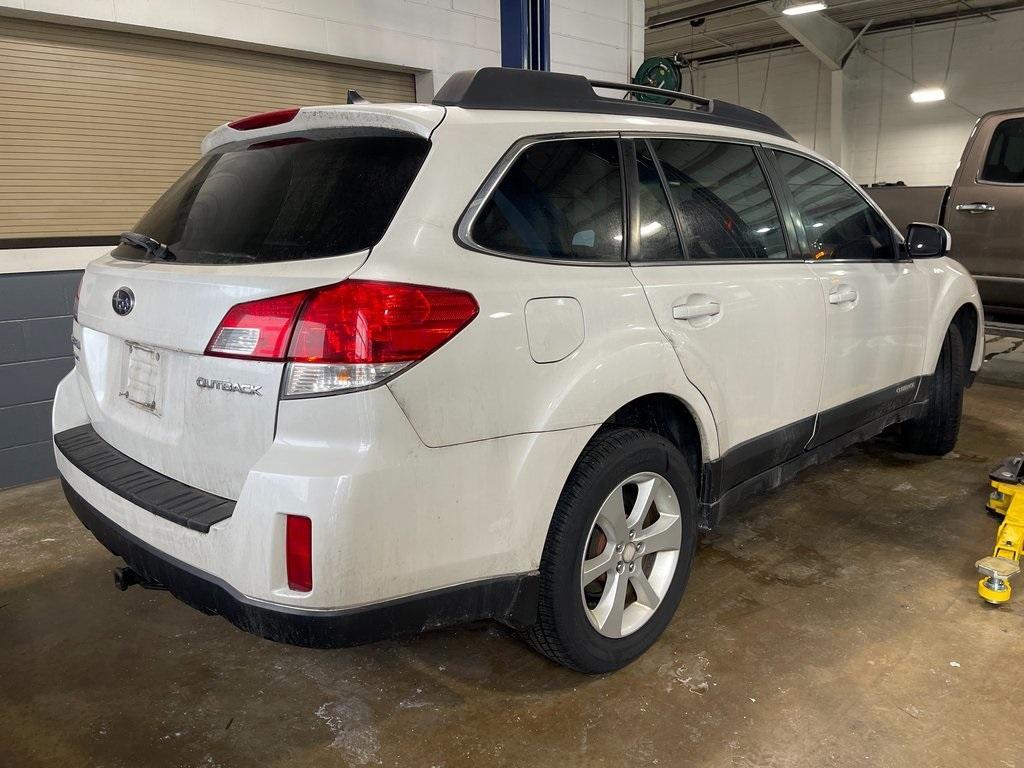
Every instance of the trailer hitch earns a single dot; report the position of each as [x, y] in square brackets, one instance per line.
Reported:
[126, 577]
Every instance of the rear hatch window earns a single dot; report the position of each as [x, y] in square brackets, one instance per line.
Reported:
[282, 200]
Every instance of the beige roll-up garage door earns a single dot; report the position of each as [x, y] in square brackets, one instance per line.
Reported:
[95, 124]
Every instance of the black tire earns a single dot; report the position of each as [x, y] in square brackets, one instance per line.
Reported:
[563, 632]
[935, 432]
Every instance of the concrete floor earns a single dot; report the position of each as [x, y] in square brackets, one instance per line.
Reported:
[834, 622]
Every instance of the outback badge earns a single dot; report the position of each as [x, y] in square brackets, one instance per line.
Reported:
[229, 386]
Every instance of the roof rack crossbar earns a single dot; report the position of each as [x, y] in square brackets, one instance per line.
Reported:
[699, 101]
[524, 89]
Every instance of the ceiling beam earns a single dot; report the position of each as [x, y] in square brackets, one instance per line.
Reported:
[827, 39]
[989, 12]
[876, 28]
[853, 44]
[698, 11]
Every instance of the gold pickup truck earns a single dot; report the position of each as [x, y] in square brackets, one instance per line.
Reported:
[983, 209]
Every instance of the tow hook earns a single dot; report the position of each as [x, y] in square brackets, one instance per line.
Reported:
[126, 577]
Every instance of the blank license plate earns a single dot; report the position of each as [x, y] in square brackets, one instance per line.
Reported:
[142, 385]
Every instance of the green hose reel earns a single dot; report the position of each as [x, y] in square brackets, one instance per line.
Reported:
[659, 72]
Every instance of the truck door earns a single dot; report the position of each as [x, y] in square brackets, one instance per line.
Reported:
[985, 212]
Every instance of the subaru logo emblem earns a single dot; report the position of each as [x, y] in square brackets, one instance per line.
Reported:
[123, 301]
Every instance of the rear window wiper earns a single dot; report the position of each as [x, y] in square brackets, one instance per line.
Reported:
[150, 245]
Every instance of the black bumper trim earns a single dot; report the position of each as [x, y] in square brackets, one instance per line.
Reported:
[142, 486]
[511, 600]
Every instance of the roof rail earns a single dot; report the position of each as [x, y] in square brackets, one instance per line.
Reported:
[698, 101]
[525, 89]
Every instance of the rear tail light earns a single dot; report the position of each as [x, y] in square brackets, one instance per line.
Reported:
[265, 119]
[299, 553]
[351, 335]
[257, 329]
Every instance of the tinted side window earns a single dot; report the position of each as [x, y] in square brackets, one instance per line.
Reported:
[838, 222]
[559, 200]
[723, 200]
[659, 240]
[1005, 159]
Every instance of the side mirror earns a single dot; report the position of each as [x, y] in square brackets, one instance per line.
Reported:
[927, 240]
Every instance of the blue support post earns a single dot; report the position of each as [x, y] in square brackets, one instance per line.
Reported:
[526, 34]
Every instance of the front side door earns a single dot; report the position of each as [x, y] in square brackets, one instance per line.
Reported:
[986, 212]
[745, 318]
[876, 304]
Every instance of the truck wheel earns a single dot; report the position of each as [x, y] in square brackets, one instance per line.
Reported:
[935, 432]
[618, 552]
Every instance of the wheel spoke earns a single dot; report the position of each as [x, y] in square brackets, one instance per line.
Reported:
[612, 517]
[603, 563]
[645, 594]
[642, 505]
[665, 533]
[609, 609]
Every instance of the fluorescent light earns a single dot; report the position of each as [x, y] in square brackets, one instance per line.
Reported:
[796, 10]
[927, 94]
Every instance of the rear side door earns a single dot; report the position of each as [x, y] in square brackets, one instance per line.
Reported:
[745, 317]
[986, 211]
[875, 301]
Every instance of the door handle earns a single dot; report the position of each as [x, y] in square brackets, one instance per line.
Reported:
[976, 207]
[693, 311]
[844, 296]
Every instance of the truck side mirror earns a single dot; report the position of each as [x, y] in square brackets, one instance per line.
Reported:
[927, 240]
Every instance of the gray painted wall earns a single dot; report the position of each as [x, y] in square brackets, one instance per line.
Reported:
[35, 353]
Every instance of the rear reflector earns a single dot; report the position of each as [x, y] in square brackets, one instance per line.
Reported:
[299, 553]
[350, 335]
[265, 119]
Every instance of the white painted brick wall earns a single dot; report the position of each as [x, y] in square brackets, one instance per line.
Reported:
[922, 143]
[592, 37]
[794, 80]
[434, 37]
[919, 144]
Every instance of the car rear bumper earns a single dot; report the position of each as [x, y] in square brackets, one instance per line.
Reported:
[391, 517]
[407, 535]
[511, 600]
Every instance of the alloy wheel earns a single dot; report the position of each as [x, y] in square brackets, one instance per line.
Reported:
[631, 554]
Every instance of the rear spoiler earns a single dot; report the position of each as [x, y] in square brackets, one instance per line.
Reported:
[407, 119]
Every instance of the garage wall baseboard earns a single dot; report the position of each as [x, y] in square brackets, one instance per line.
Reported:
[35, 354]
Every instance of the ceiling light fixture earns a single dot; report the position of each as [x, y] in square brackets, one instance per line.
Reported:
[922, 95]
[796, 10]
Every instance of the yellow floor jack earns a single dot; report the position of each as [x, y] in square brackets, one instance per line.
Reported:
[1006, 499]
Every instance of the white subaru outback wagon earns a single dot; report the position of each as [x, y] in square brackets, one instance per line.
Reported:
[370, 369]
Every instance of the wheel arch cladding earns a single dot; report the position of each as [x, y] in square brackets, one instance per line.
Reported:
[967, 321]
[668, 416]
